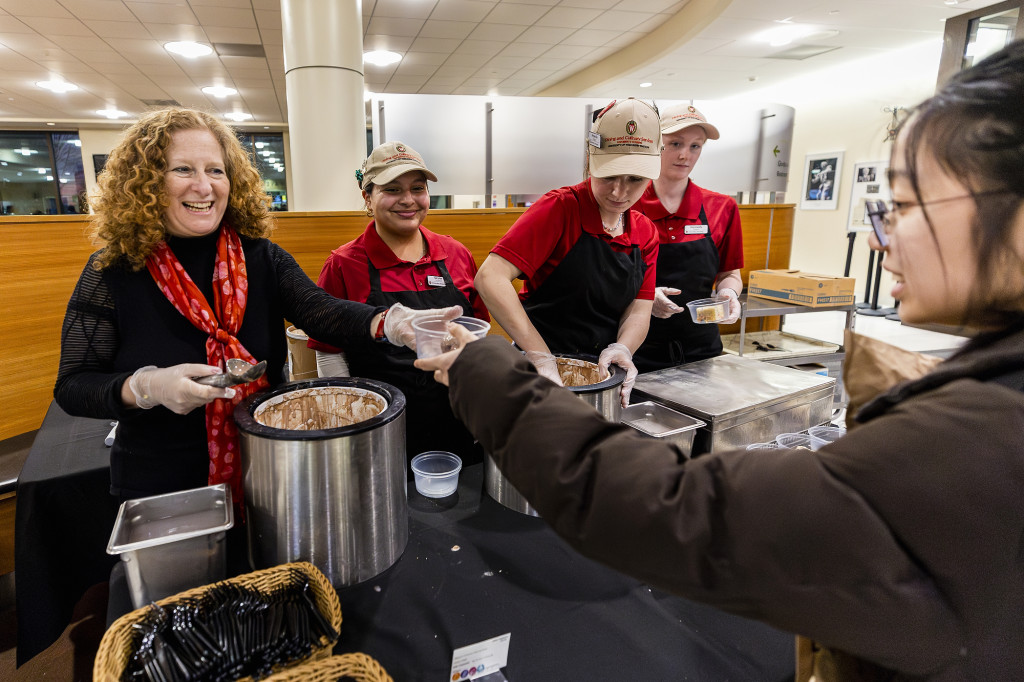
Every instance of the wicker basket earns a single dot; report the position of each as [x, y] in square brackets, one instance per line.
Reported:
[116, 646]
[359, 667]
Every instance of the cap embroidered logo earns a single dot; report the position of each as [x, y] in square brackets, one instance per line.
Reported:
[631, 127]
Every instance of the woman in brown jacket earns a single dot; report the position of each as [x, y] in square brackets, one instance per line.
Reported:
[899, 547]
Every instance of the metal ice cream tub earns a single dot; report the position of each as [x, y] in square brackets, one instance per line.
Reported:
[323, 464]
[742, 401]
[173, 542]
[581, 375]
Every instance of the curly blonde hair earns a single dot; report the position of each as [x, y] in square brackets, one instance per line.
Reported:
[129, 208]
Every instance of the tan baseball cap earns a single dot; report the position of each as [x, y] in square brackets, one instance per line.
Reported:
[389, 160]
[680, 116]
[626, 140]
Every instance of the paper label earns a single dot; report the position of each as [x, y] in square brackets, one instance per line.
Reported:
[483, 658]
[695, 229]
[594, 138]
[435, 280]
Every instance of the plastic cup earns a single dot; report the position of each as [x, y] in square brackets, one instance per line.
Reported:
[709, 310]
[823, 435]
[433, 338]
[436, 473]
[764, 446]
[794, 440]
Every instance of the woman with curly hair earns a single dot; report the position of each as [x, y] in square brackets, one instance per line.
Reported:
[186, 280]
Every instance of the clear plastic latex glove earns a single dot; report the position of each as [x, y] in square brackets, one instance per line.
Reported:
[545, 365]
[398, 322]
[734, 305]
[618, 354]
[173, 387]
[663, 307]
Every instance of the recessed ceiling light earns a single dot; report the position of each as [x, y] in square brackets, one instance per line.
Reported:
[56, 86]
[219, 90]
[646, 84]
[238, 116]
[188, 48]
[950, 2]
[784, 35]
[50, 123]
[112, 113]
[381, 57]
[25, 151]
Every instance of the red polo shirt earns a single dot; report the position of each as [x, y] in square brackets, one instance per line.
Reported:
[544, 235]
[346, 274]
[723, 218]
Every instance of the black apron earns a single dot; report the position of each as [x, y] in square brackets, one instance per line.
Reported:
[429, 422]
[691, 267]
[577, 309]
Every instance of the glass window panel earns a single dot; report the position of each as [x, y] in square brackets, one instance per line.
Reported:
[24, 168]
[268, 152]
[989, 34]
[67, 157]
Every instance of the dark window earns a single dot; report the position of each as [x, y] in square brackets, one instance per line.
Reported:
[268, 152]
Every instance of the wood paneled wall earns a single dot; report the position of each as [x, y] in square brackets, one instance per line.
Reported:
[41, 258]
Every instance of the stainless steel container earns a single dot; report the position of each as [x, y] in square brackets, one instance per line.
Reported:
[173, 542]
[603, 396]
[658, 421]
[743, 401]
[323, 465]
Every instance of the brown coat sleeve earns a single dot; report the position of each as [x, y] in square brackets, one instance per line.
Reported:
[774, 538]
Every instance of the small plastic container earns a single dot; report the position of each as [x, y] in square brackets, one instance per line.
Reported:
[432, 337]
[709, 310]
[794, 440]
[823, 435]
[436, 473]
[764, 446]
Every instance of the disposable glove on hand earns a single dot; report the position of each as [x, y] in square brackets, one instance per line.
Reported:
[663, 306]
[734, 305]
[173, 387]
[618, 354]
[398, 322]
[545, 365]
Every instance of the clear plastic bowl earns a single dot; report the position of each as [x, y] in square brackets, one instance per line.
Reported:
[432, 337]
[436, 473]
[823, 435]
[709, 310]
[794, 440]
[764, 446]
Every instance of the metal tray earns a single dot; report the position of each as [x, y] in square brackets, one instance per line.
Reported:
[659, 421]
[742, 400]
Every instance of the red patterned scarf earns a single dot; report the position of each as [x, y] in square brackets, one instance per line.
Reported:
[230, 292]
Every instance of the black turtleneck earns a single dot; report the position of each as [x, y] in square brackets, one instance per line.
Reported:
[118, 320]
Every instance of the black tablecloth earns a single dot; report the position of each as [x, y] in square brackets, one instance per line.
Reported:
[64, 516]
[473, 570]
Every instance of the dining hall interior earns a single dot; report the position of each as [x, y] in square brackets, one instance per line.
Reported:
[310, 88]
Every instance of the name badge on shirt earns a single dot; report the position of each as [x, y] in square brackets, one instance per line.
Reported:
[695, 229]
[435, 280]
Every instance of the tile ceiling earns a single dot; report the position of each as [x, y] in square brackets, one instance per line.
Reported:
[113, 49]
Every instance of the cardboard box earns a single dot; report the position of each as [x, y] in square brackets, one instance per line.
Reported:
[801, 288]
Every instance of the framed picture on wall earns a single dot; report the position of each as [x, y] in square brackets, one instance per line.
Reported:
[821, 181]
[870, 183]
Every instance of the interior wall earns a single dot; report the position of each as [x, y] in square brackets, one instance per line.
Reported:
[843, 110]
[96, 141]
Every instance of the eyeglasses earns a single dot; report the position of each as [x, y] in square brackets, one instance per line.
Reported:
[890, 211]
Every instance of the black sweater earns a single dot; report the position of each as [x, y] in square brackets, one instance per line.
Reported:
[118, 320]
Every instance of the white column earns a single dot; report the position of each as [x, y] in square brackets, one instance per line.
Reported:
[323, 64]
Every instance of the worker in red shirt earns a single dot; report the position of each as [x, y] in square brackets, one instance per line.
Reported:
[397, 260]
[701, 249]
[586, 259]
